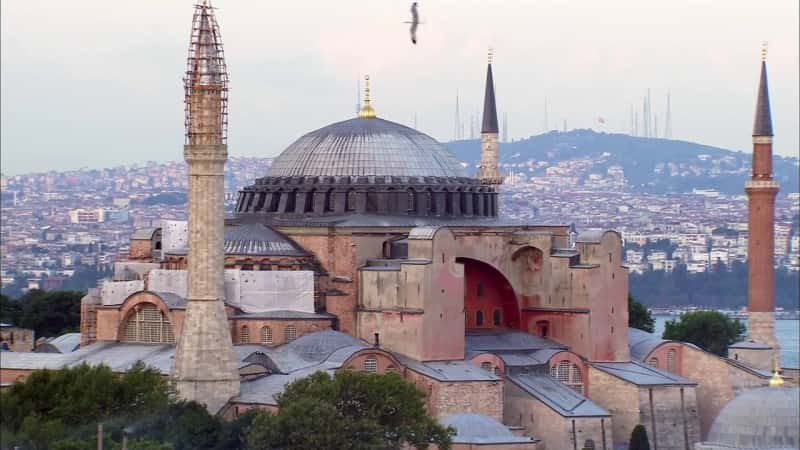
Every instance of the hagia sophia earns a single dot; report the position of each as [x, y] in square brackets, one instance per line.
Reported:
[368, 247]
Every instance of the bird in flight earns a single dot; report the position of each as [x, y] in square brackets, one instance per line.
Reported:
[414, 23]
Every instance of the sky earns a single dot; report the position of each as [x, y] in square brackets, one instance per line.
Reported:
[98, 83]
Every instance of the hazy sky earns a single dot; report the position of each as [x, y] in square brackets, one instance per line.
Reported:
[96, 83]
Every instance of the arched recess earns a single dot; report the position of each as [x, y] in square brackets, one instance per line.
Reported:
[487, 291]
[528, 261]
[146, 323]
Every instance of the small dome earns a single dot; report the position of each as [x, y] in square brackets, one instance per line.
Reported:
[763, 418]
[366, 147]
[479, 429]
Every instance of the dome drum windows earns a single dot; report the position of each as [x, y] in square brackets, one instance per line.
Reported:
[305, 196]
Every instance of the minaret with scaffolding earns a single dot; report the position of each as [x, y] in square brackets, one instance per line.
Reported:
[205, 366]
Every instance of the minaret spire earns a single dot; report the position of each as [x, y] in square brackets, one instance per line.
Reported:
[488, 171]
[489, 106]
[762, 125]
[761, 190]
[205, 367]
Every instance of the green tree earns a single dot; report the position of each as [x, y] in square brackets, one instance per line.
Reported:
[51, 313]
[639, 316]
[10, 310]
[710, 330]
[82, 395]
[351, 410]
[639, 439]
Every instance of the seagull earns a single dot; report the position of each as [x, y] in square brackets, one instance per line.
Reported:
[414, 23]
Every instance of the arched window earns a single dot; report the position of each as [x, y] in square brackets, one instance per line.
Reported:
[147, 324]
[448, 203]
[653, 362]
[290, 333]
[244, 335]
[671, 360]
[291, 201]
[497, 372]
[487, 366]
[479, 318]
[350, 201]
[497, 317]
[431, 201]
[371, 365]
[266, 335]
[412, 201]
[372, 201]
[274, 201]
[309, 204]
[569, 374]
[329, 200]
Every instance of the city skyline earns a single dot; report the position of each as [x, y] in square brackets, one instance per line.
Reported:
[292, 81]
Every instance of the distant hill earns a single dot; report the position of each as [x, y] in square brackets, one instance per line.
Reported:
[650, 164]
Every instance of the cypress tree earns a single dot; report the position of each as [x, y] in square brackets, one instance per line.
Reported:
[639, 439]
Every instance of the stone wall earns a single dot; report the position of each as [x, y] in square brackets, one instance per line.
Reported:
[556, 431]
[445, 398]
[17, 339]
[620, 399]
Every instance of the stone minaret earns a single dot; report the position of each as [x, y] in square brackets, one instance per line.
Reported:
[761, 190]
[488, 171]
[205, 366]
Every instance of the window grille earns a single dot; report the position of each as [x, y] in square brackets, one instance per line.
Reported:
[479, 319]
[487, 366]
[291, 333]
[266, 335]
[653, 362]
[671, 360]
[371, 365]
[569, 374]
[244, 336]
[147, 324]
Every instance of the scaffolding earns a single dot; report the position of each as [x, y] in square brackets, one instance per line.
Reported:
[206, 82]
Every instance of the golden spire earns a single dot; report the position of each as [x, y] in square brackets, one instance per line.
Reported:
[366, 111]
[764, 51]
[776, 380]
[491, 54]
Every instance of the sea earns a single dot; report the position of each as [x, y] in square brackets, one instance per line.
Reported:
[787, 332]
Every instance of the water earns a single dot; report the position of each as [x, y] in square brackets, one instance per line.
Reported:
[787, 332]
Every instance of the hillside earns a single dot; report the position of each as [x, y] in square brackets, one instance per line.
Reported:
[650, 164]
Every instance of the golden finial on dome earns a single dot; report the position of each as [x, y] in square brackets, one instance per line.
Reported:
[491, 54]
[367, 112]
[776, 380]
[764, 51]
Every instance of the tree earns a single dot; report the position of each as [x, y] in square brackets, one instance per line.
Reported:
[10, 310]
[351, 410]
[710, 330]
[639, 439]
[51, 313]
[639, 316]
[83, 395]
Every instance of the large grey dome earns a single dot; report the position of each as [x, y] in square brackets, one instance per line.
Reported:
[366, 147]
[763, 418]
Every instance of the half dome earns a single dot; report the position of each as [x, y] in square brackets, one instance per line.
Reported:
[366, 147]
